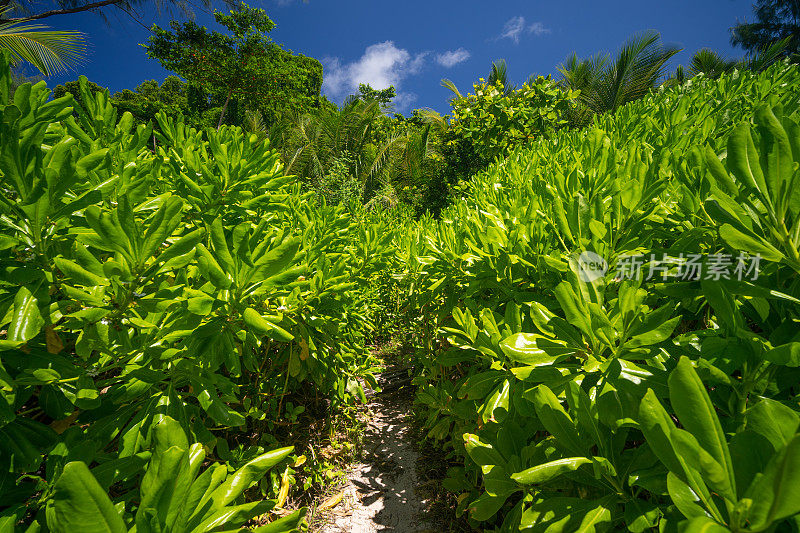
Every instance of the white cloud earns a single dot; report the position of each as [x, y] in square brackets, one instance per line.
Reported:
[452, 58]
[383, 64]
[538, 29]
[403, 101]
[513, 29]
[516, 26]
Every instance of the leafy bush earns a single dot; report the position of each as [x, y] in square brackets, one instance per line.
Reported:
[195, 284]
[494, 121]
[580, 401]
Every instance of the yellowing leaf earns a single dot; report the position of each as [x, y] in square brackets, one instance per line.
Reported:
[331, 502]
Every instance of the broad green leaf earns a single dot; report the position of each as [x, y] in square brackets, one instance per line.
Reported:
[773, 420]
[556, 420]
[574, 309]
[693, 454]
[265, 327]
[498, 482]
[161, 225]
[485, 507]
[548, 471]
[80, 504]
[233, 517]
[751, 244]
[703, 524]
[593, 519]
[286, 524]
[477, 386]
[78, 274]
[641, 515]
[697, 415]
[684, 498]
[776, 492]
[776, 157]
[495, 408]
[657, 427]
[787, 354]
[26, 321]
[245, 476]
[653, 331]
[278, 259]
[221, 251]
[481, 452]
[743, 159]
[522, 348]
[211, 269]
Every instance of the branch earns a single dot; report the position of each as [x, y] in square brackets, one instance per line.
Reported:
[45, 14]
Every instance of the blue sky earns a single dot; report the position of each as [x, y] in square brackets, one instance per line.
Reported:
[413, 44]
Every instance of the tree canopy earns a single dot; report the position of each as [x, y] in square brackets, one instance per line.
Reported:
[242, 65]
[775, 20]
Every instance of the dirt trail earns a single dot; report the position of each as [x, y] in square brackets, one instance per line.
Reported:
[380, 494]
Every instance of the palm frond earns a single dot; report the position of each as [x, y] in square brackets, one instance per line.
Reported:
[710, 63]
[50, 51]
[606, 84]
[767, 55]
[499, 74]
[432, 117]
[448, 84]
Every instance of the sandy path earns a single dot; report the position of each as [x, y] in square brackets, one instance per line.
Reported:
[380, 493]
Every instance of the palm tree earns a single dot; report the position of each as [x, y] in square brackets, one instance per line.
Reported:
[607, 84]
[582, 75]
[313, 141]
[710, 63]
[767, 55]
[49, 51]
[316, 145]
[498, 73]
[713, 65]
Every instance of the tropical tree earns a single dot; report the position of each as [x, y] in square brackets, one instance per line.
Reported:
[582, 74]
[50, 51]
[383, 96]
[606, 84]
[356, 151]
[243, 65]
[710, 63]
[498, 73]
[775, 20]
[713, 65]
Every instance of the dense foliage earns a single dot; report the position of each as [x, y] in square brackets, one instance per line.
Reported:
[242, 65]
[498, 118]
[574, 398]
[774, 20]
[159, 307]
[605, 320]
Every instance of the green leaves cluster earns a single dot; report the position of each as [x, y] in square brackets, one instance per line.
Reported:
[242, 65]
[174, 494]
[495, 120]
[156, 306]
[583, 402]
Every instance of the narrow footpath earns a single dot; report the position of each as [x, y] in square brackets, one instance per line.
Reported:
[380, 494]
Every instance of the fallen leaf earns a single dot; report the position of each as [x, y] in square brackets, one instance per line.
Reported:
[331, 502]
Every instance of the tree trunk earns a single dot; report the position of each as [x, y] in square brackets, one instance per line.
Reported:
[222, 113]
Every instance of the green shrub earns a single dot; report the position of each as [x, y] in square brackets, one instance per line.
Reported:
[493, 121]
[583, 401]
[194, 283]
